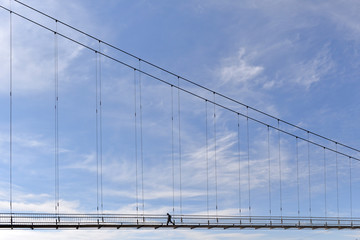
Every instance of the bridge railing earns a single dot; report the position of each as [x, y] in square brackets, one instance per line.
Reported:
[48, 220]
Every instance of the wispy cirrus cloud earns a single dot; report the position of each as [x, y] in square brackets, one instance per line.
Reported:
[311, 71]
[237, 69]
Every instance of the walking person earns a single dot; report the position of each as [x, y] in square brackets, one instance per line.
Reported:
[169, 219]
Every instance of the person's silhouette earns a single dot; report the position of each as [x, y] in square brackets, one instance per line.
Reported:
[169, 219]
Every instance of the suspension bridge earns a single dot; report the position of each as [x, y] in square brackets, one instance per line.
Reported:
[119, 141]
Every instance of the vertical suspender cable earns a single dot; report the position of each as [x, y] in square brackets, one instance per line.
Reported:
[57, 204]
[325, 202]
[141, 143]
[269, 174]
[309, 172]
[239, 160]
[97, 135]
[297, 176]
[55, 122]
[172, 149]
[10, 170]
[100, 126]
[180, 148]
[350, 176]
[207, 158]
[136, 145]
[248, 158]
[215, 160]
[280, 177]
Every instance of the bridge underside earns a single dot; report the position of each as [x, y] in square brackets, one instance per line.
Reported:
[121, 221]
[158, 226]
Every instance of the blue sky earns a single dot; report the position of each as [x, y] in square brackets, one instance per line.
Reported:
[296, 60]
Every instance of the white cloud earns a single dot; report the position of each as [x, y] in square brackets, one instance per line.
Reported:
[27, 201]
[238, 70]
[104, 234]
[311, 71]
[42, 207]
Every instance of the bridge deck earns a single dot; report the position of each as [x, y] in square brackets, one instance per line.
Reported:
[119, 221]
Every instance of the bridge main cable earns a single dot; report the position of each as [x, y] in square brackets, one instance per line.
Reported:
[196, 95]
[185, 79]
